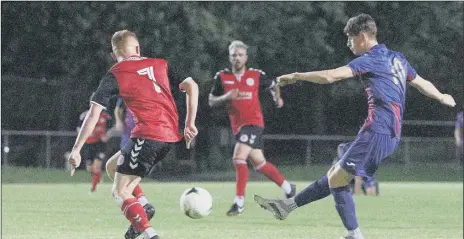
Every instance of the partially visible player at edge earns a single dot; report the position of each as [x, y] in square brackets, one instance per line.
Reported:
[94, 148]
[240, 88]
[384, 74]
[144, 86]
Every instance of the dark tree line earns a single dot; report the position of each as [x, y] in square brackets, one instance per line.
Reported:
[54, 54]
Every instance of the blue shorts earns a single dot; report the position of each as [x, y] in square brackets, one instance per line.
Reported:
[363, 156]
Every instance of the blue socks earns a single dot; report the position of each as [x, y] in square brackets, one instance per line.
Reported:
[315, 191]
[343, 200]
[345, 206]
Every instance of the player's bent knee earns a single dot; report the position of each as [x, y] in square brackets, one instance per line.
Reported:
[338, 177]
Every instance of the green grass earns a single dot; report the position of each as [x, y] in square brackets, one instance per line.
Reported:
[404, 210]
[416, 173]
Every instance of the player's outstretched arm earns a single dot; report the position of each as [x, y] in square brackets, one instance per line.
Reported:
[191, 88]
[318, 77]
[86, 130]
[218, 100]
[428, 89]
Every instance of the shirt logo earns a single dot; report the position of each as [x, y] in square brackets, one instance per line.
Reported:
[229, 82]
[244, 95]
[250, 81]
[252, 139]
[350, 164]
[244, 138]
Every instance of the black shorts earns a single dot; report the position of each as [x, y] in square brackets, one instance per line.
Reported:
[94, 151]
[141, 155]
[251, 135]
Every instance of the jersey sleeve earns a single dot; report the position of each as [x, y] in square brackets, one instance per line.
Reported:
[217, 89]
[106, 90]
[411, 72]
[265, 82]
[360, 65]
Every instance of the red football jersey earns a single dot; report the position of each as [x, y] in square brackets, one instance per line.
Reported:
[246, 108]
[100, 129]
[143, 84]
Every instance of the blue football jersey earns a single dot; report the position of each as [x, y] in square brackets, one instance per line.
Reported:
[384, 73]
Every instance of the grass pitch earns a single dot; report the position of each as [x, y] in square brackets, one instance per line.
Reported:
[404, 210]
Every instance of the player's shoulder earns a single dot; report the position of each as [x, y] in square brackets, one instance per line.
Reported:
[223, 71]
[261, 72]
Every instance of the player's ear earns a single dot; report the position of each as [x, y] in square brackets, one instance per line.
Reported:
[113, 56]
[137, 50]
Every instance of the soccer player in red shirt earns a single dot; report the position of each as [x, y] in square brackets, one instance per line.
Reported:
[94, 149]
[240, 88]
[143, 84]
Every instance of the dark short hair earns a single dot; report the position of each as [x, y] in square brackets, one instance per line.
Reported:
[361, 23]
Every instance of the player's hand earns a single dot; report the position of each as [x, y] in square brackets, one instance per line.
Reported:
[279, 102]
[286, 79]
[233, 94]
[75, 160]
[447, 100]
[190, 132]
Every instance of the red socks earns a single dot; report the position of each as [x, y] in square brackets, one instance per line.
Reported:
[135, 213]
[241, 176]
[138, 192]
[95, 180]
[271, 172]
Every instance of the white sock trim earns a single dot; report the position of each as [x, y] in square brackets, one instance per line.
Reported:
[354, 232]
[240, 200]
[259, 166]
[240, 161]
[149, 233]
[143, 200]
[286, 187]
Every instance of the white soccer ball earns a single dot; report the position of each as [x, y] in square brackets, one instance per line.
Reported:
[196, 202]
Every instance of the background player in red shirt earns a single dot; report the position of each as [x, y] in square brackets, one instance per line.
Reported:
[144, 86]
[94, 149]
[240, 88]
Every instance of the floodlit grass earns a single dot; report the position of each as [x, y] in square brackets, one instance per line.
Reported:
[404, 210]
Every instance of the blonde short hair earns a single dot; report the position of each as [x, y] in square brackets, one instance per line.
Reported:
[119, 38]
[237, 44]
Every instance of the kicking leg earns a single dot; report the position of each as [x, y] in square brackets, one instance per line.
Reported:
[282, 208]
[138, 193]
[271, 172]
[122, 192]
[241, 152]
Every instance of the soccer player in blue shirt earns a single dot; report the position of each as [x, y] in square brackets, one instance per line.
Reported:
[384, 74]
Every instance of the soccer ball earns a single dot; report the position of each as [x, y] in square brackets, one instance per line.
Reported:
[196, 202]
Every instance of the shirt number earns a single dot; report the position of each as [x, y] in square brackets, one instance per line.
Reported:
[151, 75]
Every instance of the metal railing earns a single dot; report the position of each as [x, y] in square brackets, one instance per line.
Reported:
[311, 142]
[338, 138]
